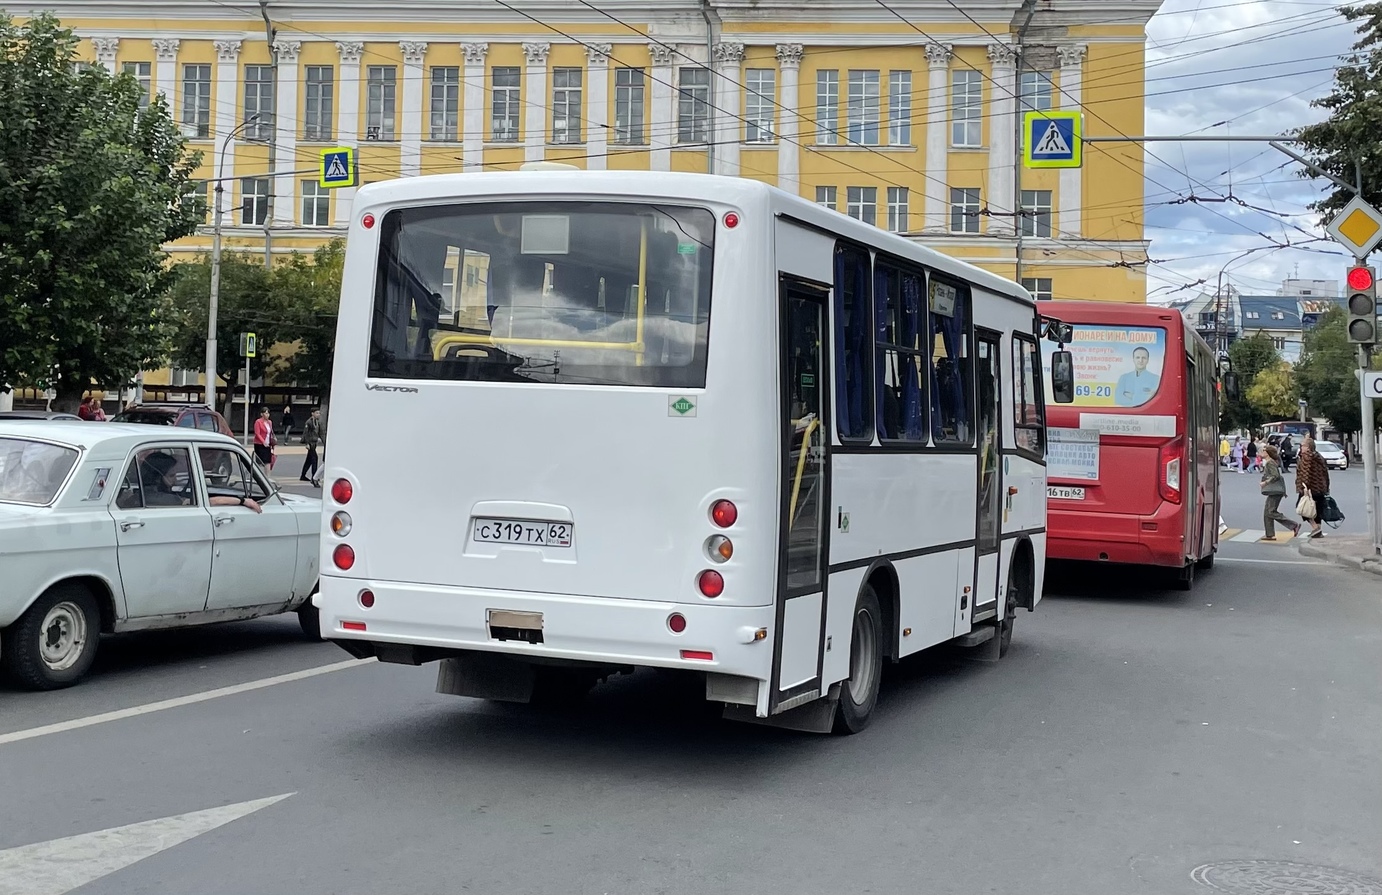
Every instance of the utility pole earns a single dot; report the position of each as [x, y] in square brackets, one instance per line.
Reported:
[270, 34]
[1029, 7]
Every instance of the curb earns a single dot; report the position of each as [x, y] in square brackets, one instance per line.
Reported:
[1357, 563]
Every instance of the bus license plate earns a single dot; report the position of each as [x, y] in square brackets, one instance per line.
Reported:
[1062, 492]
[523, 531]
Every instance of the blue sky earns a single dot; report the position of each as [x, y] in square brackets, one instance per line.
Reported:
[1241, 67]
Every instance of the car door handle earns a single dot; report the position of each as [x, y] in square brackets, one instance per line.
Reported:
[222, 520]
[130, 523]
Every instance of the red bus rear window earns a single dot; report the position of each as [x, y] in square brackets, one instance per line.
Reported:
[1115, 366]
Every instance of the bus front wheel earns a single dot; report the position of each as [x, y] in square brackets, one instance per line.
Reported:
[859, 693]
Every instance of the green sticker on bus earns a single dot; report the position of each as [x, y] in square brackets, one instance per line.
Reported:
[808, 380]
[686, 248]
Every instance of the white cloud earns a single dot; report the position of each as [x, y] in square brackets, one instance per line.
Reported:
[1236, 67]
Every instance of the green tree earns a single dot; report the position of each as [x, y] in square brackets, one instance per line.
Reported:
[1249, 358]
[245, 304]
[311, 290]
[1273, 393]
[91, 187]
[1349, 136]
[1325, 373]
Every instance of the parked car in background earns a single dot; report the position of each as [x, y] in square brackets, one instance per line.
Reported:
[187, 416]
[37, 415]
[1332, 455]
[125, 527]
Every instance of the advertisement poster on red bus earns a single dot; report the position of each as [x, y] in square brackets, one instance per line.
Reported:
[1115, 366]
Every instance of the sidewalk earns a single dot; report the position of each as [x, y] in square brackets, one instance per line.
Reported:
[1353, 551]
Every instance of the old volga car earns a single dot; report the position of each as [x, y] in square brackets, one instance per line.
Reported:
[121, 527]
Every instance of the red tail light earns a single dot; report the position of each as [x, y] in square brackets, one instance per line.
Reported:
[711, 583]
[701, 655]
[342, 491]
[1169, 465]
[724, 513]
[343, 556]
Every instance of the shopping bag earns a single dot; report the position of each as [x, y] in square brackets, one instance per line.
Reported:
[1306, 507]
[1330, 512]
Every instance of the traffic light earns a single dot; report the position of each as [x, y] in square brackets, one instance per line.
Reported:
[1362, 305]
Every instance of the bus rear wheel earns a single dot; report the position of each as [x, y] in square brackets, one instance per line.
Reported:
[859, 693]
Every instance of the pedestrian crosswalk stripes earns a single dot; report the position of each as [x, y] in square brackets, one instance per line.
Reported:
[1255, 535]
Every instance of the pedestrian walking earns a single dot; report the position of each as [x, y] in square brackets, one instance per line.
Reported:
[1250, 454]
[288, 421]
[1274, 489]
[1236, 456]
[264, 438]
[1288, 452]
[1312, 478]
[311, 436]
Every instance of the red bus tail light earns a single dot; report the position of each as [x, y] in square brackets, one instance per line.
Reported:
[1169, 470]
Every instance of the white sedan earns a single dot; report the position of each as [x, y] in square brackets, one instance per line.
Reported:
[1332, 454]
[122, 527]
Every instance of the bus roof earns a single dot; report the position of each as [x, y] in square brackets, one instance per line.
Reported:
[1102, 311]
[675, 186]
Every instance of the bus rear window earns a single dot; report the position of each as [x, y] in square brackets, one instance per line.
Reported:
[1115, 366]
[588, 293]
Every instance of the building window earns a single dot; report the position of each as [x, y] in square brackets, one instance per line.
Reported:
[259, 102]
[566, 105]
[828, 196]
[381, 88]
[862, 203]
[693, 107]
[628, 106]
[863, 107]
[316, 204]
[1036, 213]
[446, 103]
[254, 200]
[964, 210]
[1278, 342]
[897, 209]
[1035, 93]
[505, 108]
[142, 72]
[759, 105]
[966, 100]
[321, 95]
[1040, 287]
[1278, 315]
[1251, 315]
[828, 107]
[854, 406]
[901, 356]
[196, 101]
[900, 108]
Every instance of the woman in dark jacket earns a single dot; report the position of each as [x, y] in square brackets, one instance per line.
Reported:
[1312, 477]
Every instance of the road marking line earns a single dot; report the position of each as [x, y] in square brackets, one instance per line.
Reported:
[1272, 562]
[58, 866]
[178, 702]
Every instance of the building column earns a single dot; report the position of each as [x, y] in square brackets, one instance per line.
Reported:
[663, 125]
[1070, 204]
[789, 123]
[166, 72]
[285, 132]
[937, 137]
[725, 77]
[535, 107]
[224, 114]
[597, 118]
[410, 130]
[1002, 131]
[473, 107]
[347, 117]
[105, 48]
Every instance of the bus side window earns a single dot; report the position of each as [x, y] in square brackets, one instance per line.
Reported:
[853, 344]
[900, 358]
[952, 363]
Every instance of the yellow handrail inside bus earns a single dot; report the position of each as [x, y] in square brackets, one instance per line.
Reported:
[444, 341]
[801, 468]
[642, 287]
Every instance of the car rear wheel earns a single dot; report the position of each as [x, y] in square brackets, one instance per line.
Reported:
[54, 643]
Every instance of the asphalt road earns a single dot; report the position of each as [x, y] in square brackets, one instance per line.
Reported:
[1130, 736]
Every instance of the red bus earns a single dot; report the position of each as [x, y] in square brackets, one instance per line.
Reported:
[1133, 463]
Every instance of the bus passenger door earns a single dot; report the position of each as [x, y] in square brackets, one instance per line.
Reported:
[797, 655]
[988, 385]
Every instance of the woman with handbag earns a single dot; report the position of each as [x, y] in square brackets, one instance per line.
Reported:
[1274, 489]
[1312, 480]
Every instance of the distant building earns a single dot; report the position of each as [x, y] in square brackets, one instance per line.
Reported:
[1310, 288]
[1276, 316]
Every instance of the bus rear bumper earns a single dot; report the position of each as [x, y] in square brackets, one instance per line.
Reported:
[1153, 540]
[441, 621]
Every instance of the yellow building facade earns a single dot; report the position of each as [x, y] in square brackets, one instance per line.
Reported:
[903, 113]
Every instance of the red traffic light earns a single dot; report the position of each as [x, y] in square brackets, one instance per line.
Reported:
[1359, 278]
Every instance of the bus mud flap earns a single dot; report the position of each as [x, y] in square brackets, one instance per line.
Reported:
[486, 677]
[817, 716]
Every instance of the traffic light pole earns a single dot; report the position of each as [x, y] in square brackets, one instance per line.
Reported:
[1369, 437]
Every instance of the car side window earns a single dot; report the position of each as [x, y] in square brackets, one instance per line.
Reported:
[186, 421]
[208, 422]
[229, 474]
[157, 478]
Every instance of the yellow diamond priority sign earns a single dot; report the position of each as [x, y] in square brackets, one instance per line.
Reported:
[1358, 227]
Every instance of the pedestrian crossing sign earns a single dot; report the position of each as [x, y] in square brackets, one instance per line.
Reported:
[1052, 140]
[339, 167]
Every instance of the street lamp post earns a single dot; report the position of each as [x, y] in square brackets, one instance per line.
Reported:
[216, 264]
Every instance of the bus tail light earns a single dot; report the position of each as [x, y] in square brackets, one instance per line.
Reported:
[719, 548]
[711, 583]
[340, 524]
[676, 622]
[343, 556]
[342, 491]
[724, 513]
[1170, 462]
[703, 655]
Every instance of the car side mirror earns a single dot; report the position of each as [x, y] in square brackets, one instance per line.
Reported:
[1063, 377]
[1231, 385]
